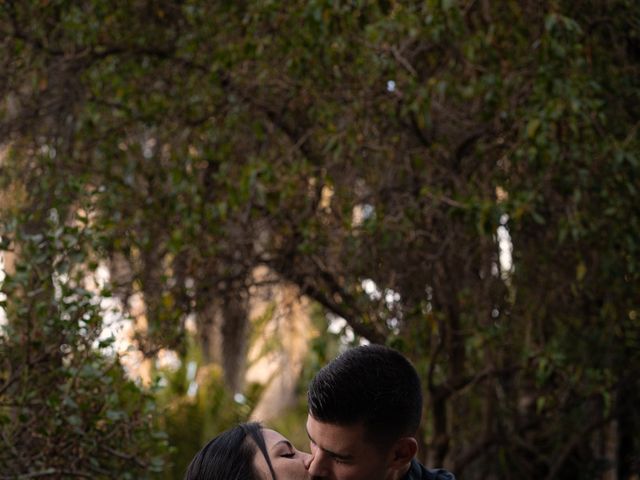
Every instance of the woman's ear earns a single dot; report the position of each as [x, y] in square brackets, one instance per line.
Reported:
[402, 452]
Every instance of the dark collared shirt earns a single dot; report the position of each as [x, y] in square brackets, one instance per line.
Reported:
[419, 472]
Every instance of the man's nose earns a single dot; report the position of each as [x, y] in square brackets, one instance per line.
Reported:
[316, 465]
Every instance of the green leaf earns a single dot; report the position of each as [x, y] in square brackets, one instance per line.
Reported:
[532, 127]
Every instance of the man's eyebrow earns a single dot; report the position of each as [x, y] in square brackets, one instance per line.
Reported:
[329, 452]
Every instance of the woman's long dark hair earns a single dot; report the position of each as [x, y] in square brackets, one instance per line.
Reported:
[229, 456]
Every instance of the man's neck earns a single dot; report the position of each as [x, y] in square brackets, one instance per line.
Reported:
[399, 474]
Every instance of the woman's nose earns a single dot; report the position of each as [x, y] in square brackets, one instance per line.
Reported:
[306, 459]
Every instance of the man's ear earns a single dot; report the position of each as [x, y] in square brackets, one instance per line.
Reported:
[403, 450]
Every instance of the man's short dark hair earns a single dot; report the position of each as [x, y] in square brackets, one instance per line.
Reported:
[373, 385]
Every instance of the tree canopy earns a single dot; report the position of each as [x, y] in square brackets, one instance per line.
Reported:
[368, 153]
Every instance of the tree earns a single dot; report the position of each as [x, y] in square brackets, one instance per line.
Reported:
[66, 408]
[368, 153]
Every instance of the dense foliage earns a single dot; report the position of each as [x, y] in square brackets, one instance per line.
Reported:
[66, 408]
[368, 153]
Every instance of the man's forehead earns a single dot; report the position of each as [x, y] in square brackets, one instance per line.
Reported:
[341, 439]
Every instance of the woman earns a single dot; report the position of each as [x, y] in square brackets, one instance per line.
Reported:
[249, 452]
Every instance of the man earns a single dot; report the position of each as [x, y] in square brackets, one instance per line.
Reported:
[364, 412]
